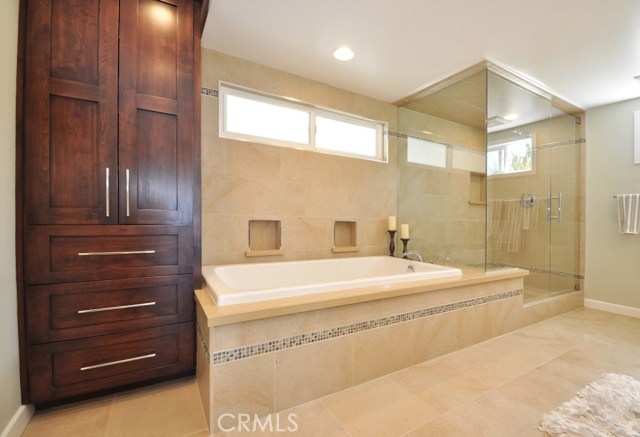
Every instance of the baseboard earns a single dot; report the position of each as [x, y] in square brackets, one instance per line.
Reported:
[18, 422]
[612, 308]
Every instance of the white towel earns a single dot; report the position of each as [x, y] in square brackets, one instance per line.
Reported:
[628, 213]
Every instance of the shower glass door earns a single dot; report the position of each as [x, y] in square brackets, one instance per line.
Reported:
[533, 181]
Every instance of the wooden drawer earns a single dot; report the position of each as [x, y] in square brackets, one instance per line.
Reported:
[83, 309]
[75, 367]
[87, 253]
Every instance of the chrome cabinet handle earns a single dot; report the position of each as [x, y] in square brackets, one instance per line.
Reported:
[130, 252]
[112, 363]
[106, 195]
[127, 189]
[121, 307]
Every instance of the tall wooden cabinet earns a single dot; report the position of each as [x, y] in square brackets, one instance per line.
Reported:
[109, 163]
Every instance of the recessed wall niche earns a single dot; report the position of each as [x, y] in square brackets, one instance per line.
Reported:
[265, 238]
[345, 236]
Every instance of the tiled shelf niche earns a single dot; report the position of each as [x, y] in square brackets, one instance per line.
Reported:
[265, 238]
[477, 188]
[345, 236]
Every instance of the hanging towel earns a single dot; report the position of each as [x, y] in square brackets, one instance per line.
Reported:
[629, 213]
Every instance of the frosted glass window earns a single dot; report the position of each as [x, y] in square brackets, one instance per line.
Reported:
[426, 152]
[251, 116]
[262, 119]
[346, 136]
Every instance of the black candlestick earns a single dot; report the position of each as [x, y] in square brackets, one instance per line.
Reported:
[405, 242]
[392, 243]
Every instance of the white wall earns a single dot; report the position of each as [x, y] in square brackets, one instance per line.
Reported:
[9, 368]
[612, 270]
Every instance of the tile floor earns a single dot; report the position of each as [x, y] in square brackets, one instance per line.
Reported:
[496, 388]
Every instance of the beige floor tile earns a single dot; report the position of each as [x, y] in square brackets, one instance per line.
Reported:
[540, 391]
[307, 420]
[378, 408]
[495, 415]
[437, 428]
[171, 409]
[88, 419]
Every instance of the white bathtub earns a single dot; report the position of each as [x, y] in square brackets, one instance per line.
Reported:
[242, 283]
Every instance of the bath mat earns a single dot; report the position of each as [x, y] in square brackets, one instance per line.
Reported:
[609, 406]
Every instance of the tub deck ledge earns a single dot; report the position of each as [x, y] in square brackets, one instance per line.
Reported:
[243, 312]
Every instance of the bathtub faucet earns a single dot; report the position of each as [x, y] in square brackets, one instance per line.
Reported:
[414, 253]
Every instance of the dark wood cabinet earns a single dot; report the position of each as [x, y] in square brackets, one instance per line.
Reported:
[110, 169]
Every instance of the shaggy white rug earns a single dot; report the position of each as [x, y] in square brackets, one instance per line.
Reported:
[607, 407]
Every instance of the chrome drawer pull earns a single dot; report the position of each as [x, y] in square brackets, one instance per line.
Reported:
[121, 307]
[127, 189]
[131, 252]
[107, 191]
[111, 363]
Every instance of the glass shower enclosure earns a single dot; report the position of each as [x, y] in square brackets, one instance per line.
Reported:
[491, 176]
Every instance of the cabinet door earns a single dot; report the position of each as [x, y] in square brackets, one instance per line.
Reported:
[156, 112]
[71, 112]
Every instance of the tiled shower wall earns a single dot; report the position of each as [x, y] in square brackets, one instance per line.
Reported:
[306, 191]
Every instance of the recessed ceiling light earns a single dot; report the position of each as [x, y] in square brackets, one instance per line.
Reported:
[511, 117]
[343, 53]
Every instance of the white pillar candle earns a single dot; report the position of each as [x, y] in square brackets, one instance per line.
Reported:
[392, 223]
[404, 231]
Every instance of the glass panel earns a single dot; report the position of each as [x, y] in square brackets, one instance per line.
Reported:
[262, 119]
[441, 166]
[426, 152]
[517, 231]
[566, 177]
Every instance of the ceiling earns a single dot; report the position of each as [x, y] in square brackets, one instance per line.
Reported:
[586, 52]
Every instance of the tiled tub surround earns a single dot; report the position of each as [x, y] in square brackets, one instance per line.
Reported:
[265, 357]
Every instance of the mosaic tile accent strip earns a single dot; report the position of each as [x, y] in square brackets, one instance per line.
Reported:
[208, 92]
[240, 353]
[203, 344]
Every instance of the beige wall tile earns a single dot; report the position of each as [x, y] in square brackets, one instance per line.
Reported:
[244, 386]
[308, 372]
[433, 336]
[348, 314]
[304, 189]
[259, 331]
[380, 351]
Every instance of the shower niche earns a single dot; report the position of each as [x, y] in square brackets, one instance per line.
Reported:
[470, 149]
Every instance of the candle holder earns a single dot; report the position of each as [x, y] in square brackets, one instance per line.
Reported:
[405, 242]
[392, 244]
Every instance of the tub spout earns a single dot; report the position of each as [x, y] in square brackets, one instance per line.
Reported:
[418, 256]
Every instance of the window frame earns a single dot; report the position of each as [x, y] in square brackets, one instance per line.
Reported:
[381, 127]
[504, 145]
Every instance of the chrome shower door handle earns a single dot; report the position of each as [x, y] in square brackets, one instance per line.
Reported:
[550, 199]
[559, 207]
